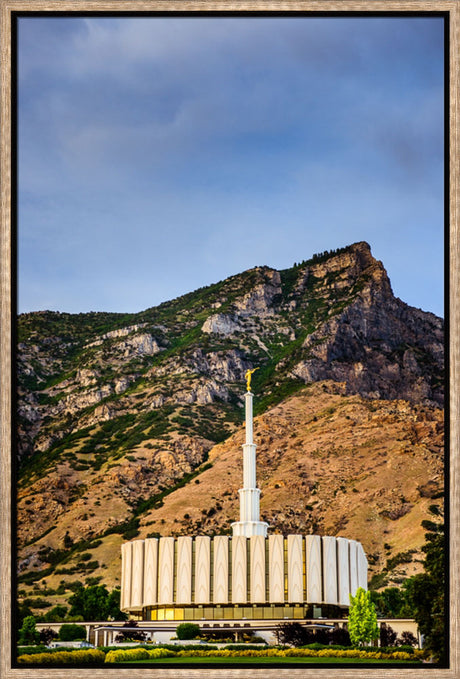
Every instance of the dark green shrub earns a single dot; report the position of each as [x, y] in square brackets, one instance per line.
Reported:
[187, 630]
[72, 632]
[292, 634]
[407, 641]
[47, 635]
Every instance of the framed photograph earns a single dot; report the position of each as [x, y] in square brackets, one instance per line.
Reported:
[229, 338]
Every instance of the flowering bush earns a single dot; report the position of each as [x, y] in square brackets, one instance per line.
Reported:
[87, 657]
[131, 654]
[126, 655]
[299, 653]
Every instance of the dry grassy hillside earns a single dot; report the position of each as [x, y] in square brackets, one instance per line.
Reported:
[328, 463]
[131, 425]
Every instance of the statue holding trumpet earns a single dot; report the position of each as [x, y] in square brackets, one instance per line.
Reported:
[248, 375]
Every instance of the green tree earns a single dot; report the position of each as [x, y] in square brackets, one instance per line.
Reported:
[28, 634]
[362, 619]
[56, 614]
[425, 592]
[24, 611]
[95, 603]
[187, 630]
[390, 602]
[113, 606]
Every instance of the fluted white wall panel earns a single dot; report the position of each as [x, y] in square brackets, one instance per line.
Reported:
[137, 587]
[166, 571]
[202, 569]
[126, 574]
[184, 570]
[239, 569]
[257, 561]
[295, 568]
[343, 572]
[276, 568]
[353, 552]
[220, 570]
[330, 569]
[362, 567]
[150, 571]
[314, 568]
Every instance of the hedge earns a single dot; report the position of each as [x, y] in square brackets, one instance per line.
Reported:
[131, 654]
[96, 656]
[145, 654]
[86, 657]
[302, 653]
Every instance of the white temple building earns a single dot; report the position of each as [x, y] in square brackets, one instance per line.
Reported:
[249, 576]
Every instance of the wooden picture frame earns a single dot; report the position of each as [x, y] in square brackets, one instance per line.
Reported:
[8, 9]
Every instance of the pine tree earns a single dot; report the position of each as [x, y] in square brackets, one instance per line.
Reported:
[362, 619]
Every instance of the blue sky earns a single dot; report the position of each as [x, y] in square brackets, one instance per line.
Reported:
[158, 155]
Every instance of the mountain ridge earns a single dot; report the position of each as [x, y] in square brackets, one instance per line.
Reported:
[127, 410]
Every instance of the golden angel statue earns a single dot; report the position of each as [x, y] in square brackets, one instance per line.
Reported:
[248, 375]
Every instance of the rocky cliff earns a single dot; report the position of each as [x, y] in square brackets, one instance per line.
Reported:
[120, 413]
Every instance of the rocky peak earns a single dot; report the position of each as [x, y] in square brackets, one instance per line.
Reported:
[117, 410]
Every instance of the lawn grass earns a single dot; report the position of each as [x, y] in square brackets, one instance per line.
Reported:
[269, 661]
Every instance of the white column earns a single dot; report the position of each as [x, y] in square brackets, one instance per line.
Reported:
[343, 571]
[314, 569]
[137, 574]
[150, 571]
[257, 574]
[184, 570]
[295, 569]
[276, 568]
[239, 569]
[362, 566]
[126, 575]
[353, 548]
[220, 569]
[329, 569]
[166, 570]
[202, 593]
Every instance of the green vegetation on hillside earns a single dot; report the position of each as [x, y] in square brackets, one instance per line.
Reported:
[93, 401]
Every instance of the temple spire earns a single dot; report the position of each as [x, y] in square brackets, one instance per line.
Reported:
[249, 523]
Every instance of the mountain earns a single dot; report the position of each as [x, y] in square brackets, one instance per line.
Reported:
[131, 424]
